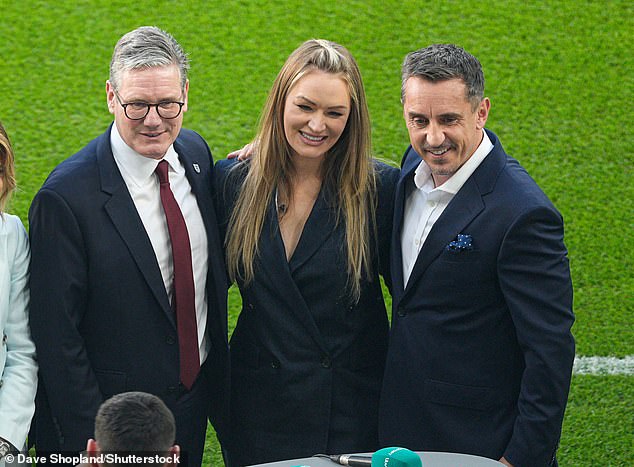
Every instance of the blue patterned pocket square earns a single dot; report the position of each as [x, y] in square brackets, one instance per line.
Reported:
[462, 242]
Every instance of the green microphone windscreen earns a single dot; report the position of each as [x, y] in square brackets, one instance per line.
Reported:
[396, 457]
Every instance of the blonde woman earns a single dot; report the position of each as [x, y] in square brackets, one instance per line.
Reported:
[307, 222]
[18, 370]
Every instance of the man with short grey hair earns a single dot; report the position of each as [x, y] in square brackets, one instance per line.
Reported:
[480, 353]
[128, 283]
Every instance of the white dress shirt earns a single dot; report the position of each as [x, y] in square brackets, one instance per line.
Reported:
[138, 174]
[424, 205]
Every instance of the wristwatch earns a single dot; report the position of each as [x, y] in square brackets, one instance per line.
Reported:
[5, 448]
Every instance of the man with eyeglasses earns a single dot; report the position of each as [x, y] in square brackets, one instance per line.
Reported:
[128, 287]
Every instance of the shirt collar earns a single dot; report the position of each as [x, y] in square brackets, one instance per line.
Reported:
[425, 182]
[138, 168]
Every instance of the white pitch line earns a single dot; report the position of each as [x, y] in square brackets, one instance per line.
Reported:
[604, 365]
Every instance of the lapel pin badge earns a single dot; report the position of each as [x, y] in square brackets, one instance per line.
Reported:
[196, 167]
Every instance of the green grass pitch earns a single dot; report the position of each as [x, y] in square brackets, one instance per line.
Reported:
[559, 74]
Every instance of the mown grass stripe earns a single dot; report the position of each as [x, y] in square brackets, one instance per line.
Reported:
[604, 365]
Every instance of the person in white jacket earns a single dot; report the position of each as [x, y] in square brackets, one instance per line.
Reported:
[18, 368]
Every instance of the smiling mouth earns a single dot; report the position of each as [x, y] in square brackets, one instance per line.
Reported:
[438, 152]
[315, 139]
[151, 135]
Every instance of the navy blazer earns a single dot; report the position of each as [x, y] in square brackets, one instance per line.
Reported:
[481, 353]
[306, 361]
[100, 315]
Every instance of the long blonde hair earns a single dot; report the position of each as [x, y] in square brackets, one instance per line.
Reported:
[7, 169]
[348, 168]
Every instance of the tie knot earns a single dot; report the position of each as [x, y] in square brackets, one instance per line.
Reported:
[161, 171]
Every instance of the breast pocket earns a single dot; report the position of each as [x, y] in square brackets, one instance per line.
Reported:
[460, 257]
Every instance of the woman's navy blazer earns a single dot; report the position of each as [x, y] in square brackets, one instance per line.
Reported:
[307, 361]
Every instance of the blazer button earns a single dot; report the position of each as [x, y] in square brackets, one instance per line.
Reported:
[325, 362]
[275, 364]
[170, 340]
[401, 312]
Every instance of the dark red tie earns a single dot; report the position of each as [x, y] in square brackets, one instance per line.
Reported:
[183, 300]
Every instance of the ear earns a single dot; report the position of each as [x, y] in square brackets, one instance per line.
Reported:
[92, 446]
[186, 93]
[92, 451]
[110, 97]
[173, 454]
[483, 113]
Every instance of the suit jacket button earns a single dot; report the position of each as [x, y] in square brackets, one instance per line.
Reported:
[325, 361]
[401, 312]
[275, 364]
[170, 340]
[172, 389]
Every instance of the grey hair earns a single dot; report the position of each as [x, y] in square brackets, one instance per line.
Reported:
[134, 422]
[147, 47]
[441, 62]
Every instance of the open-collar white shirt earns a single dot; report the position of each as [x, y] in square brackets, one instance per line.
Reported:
[424, 205]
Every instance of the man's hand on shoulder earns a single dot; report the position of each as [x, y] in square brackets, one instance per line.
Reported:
[244, 153]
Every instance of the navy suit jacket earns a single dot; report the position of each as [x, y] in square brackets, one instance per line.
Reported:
[481, 352]
[306, 360]
[100, 315]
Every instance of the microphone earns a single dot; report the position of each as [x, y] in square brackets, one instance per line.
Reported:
[352, 460]
[386, 457]
[395, 457]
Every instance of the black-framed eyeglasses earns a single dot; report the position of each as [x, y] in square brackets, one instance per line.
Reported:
[139, 110]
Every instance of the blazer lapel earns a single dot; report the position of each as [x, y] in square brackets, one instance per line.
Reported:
[197, 162]
[466, 205]
[318, 228]
[201, 188]
[462, 209]
[126, 220]
[273, 265]
[403, 189]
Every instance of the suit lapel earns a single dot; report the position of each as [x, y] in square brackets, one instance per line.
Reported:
[127, 222]
[274, 266]
[462, 209]
[197, 164]
[201, 189]
[318, 228]
[403, 189]
[272, 253]
[465, 206]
